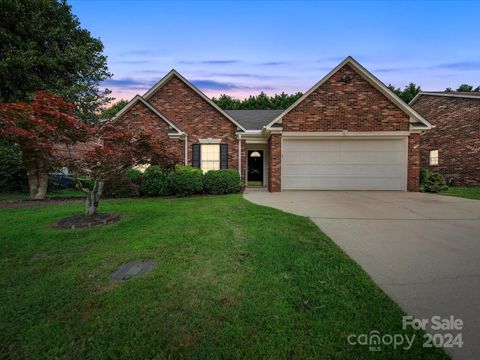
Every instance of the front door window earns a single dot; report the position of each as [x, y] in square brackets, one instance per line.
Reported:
[255, 168]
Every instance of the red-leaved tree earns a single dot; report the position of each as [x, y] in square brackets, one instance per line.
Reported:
[114, 151]
[38, 128]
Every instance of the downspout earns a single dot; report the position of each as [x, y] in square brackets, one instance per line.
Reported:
[186, 149]
[240, 154]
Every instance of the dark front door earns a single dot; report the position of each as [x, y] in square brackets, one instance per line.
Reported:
[255, 166]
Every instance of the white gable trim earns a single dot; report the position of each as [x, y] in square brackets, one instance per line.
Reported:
[137, 99]
[172, 73]
[372, 80]
[453, 94]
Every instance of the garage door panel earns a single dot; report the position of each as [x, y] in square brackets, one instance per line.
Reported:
[344, 164]
[352, 171]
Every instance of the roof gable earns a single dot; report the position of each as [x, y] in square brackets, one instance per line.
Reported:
[138, 99]
[174, 73]
[370, 78]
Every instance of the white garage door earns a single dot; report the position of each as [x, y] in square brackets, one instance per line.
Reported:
[347, 164]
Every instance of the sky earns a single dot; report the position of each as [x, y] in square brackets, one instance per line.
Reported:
[243, 47]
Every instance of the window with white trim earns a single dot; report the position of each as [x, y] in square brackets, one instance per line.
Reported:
[433, 157]
[209, 157]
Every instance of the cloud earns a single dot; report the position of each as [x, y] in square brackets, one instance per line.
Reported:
[460, 65]
[247, 76]
[128, 83]
[274, 63]
[132, 62]
[223, 86]
[214, 85]
[211, 62]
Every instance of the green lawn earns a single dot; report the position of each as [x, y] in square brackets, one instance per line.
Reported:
[231, 280]
[52, 195]
[469, 193]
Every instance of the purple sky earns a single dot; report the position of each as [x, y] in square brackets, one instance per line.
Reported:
[242, 48]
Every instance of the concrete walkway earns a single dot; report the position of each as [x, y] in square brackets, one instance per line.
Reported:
[421, 249]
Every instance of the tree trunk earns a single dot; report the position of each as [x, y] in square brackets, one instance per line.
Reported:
[93, 198]
[37, 181]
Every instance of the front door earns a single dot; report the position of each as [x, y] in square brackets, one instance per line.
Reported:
[255, 167]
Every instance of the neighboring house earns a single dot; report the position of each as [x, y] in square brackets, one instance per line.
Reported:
[452, 147]
[348, 132]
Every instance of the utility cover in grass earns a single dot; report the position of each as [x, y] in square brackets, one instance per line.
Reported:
[132, 269]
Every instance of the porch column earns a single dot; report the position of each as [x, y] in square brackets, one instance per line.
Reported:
[274, 163]
[413, 183]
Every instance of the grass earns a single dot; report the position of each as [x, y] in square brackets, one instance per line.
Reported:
[463, 192]
[57, 194]
[231, 280]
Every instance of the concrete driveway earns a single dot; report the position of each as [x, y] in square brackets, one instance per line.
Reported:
[421, 249]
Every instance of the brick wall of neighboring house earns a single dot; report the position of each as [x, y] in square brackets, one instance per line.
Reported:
[338, 105]
[413, 181]
[141, 117]
[456, 136]
[192, 114]
[274, 162]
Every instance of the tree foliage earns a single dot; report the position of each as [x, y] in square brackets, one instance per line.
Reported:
[258, 102]
[113, 152]
[39, 128]
[110, 112]
[464, 88]
[43, 47]
[408, 92]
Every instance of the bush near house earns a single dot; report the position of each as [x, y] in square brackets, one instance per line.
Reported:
[218, 182]
[155, 182]
[13, 176]
[120, 187]
[134, 175]
[186, 180]
[432, 182]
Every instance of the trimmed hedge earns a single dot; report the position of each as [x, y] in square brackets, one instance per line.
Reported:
[155, 182]
[218, 182]
[13, 176]
[119, 187]
[186, 180]
[134, 175]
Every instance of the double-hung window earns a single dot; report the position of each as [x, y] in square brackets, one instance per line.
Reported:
[210, 156]
[434, 157]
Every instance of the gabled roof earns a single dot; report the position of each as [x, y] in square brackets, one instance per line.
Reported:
[457, 94]
[254, 119]
[173, 73]
[137, 99]
[414, 116]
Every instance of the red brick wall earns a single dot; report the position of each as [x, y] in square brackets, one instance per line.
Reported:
[274, 162]
[413, 181]
[141, 117]
[192, 114]
[456, 136]
[353, 106]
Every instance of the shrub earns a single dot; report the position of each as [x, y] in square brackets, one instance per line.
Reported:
[186, 180]
[134, 175]
[155, 182]
[120, 186]
[221, 182]
[433, 182]
[13, 176]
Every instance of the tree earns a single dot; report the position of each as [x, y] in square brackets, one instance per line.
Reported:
[109, 113]
[39, 128]
[408, 93]
[43, 47]
[258, 102]
[113, 152]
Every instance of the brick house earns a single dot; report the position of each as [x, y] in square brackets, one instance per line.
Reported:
[348, 132]
[452, 146]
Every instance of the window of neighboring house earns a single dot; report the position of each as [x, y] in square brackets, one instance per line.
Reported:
[434, 157]
[209, 157]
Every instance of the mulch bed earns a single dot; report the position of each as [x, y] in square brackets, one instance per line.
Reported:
[82, 221]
